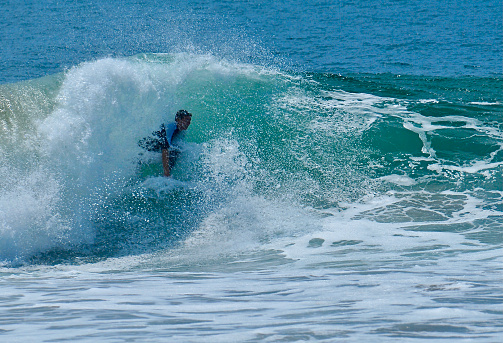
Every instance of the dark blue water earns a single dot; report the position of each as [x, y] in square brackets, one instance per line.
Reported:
[342, 178]
[442, 38]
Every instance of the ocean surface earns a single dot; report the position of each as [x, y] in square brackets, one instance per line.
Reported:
[341, 181]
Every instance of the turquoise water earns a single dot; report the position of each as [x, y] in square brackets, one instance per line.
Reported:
[339, 189]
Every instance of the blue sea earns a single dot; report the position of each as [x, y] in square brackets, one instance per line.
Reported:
[341, 181]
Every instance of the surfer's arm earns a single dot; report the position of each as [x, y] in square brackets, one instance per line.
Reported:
[165, 162]
[165, 151]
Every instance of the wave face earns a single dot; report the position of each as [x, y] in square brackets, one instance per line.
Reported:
[268, 154]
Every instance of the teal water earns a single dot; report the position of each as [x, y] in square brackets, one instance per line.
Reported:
[339, 189]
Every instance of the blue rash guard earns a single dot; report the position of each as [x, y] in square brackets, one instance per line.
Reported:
[169, 131]
[160, 139]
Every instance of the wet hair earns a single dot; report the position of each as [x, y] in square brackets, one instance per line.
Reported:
[182, 113]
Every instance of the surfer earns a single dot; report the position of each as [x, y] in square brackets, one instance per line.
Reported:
[161, 140]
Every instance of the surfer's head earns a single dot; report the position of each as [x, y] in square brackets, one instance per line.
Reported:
[183, 119]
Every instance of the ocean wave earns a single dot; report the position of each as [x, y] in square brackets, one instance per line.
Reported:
[72, 184]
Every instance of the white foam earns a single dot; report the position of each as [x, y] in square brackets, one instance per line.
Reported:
[401, 180]
[31, 216]
[485, 103]
[425, 128]
[475, 167]
[162, 184]
[351, 112]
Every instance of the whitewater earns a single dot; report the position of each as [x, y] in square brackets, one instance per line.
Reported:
[285, 218]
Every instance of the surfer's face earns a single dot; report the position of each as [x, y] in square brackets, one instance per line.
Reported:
[183, 122]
